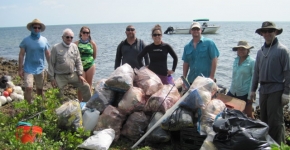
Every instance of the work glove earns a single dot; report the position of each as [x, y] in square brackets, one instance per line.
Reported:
[285, 99]
[253, 96]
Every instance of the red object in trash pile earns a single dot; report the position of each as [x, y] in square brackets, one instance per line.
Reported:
[28, 133]
[232, 102]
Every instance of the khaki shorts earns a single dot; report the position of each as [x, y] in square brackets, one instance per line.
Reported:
[38, 78]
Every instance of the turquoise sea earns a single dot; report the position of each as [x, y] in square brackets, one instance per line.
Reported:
[108, 36]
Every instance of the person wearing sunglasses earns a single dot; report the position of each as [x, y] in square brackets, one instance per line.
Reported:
[200, 55]
[34, 49]
[65, 66]
[88, 52]
[128, 50]
[158, 52]
[272, 73]
[243, 70]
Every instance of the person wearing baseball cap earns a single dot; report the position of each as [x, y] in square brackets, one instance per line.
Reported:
[200, 55]
[243, 69]
[33, 50]
[272, 72]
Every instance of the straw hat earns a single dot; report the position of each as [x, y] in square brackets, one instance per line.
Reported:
[36, 21]
[243, 44]
[269, 25]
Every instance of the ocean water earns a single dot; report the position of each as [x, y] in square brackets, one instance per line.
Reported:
[108, 36]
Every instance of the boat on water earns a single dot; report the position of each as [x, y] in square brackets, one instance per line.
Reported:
[206, 28]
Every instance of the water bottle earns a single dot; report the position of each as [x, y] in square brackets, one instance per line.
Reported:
[90, 119]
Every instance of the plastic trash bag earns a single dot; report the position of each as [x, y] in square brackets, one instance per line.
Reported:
[121, 79]
[106, 92]
[179, 119]
[208, 115]
[147, 80]
[70, 115]
[135, 126]
[235, 131]
[98, 101]
[133, 100]
[111, 118]
[101, 140]
[201, 92]
[158, 135]
[163, 99]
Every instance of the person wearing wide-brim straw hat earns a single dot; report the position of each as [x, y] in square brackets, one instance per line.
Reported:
[272, 72]
[29, 26]
[34, 48]
[243, 69]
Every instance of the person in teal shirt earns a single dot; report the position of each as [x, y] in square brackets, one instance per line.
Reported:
[200, 56]
[243, 70]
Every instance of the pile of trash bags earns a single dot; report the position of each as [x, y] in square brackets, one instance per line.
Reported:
[8, 91]
[132, 103]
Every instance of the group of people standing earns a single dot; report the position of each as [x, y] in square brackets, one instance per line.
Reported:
[68, 62]
[73, 62]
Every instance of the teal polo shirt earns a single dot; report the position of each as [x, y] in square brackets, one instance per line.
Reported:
[242, 76]
[199, 58]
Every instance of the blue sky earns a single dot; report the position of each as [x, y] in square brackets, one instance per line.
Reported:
[58, 12]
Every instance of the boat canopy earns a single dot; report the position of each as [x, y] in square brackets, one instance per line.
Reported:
[195, 20]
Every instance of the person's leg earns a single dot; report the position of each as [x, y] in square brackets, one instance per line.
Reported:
[276, 117]
[61, 81]
[39, 81]
[88, 75]
[263, 98]
[28, 84]
[84, 88]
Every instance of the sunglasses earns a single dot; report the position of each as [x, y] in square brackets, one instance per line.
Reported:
[195, 29]
[130, 29]
[157, 35]
[69, 37]
[86, 32]
[269, 31]
[37, 28]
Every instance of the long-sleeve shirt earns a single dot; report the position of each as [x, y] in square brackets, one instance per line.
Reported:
[127, 53]
[64, 60]
[158, 57]
[272, 69]
[242, 76]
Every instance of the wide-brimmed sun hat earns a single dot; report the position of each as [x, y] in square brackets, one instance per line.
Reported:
[195, 25]
[269, 25]
[243, 44]
[36, 21]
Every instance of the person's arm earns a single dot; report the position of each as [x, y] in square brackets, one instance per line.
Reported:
[146, 57]
[252, 73]
[142, 54]
[95, 48]
[78, 63]
[213, 67]
[175, 58]
[118, 56]
[255, 80]
[20, 62]
[286, 71]
[185, 68]
[47, 55]
[51, 63]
